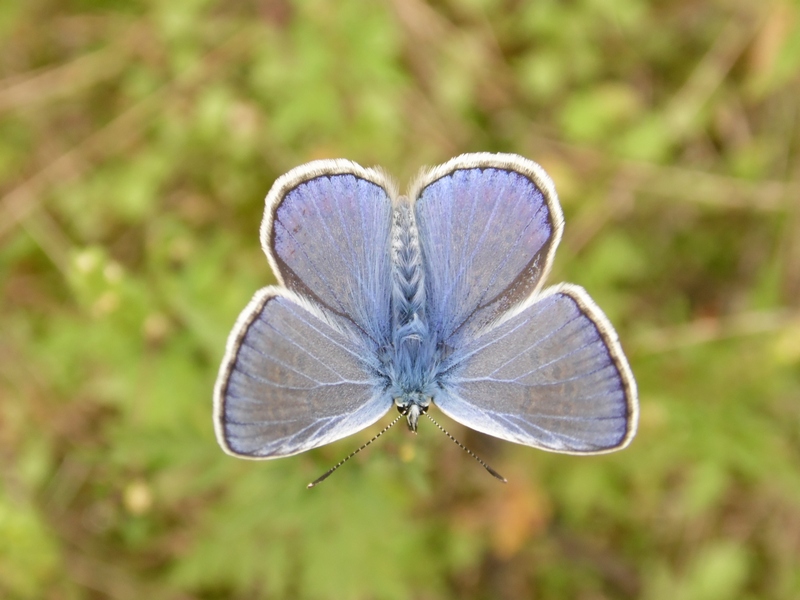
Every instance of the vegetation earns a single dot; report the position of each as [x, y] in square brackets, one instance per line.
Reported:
[137, 141]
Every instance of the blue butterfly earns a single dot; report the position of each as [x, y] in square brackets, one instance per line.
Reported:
[431, 298]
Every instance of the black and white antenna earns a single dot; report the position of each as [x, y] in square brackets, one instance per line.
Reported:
[468, 451]
[328, 473]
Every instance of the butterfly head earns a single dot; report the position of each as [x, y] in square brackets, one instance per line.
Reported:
[412, 405]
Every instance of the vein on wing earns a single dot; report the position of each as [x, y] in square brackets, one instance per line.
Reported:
[313, 266]
[508, 256]
[521, 355]
[357, 272]
[514, 329]
[296, 345]
[554, 436]
[464, 263]
[516, 381]
[316, 384]
[323, 334]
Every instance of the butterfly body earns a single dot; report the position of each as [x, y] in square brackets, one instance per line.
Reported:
[412, 372]
[431, 298]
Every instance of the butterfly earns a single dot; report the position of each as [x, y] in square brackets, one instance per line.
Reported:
[433, 297]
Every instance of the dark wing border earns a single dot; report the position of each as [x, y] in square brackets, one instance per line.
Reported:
[306, 172]
[507, 162]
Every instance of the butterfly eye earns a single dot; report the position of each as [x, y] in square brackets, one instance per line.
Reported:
[403, 410]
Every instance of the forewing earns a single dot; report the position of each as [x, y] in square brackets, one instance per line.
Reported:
[326, 232]
[553, 376]
[488, 225]
[293, 378]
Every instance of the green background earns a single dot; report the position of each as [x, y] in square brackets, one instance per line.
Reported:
[137, 142]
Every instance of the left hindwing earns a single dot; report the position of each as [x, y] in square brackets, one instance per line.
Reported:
[552, 376]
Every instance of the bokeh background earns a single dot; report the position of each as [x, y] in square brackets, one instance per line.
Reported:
[137, 142]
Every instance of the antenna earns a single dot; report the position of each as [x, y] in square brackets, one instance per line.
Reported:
[330, 471]
[465, 449]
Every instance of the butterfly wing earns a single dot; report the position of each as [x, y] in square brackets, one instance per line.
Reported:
[488, 226]
[327, 234]
[550, 375]
[293, 378]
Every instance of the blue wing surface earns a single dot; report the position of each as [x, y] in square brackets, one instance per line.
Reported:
[327, 234]
[551, 375]
[488, 226]
[293, 378]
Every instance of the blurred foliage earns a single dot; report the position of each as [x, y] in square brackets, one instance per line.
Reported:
[137, 141]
